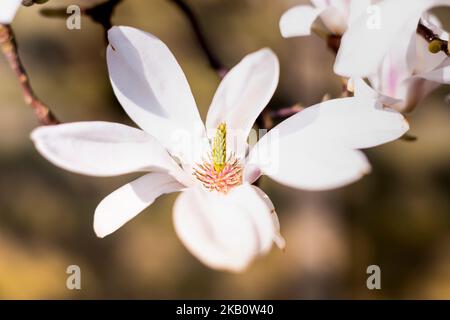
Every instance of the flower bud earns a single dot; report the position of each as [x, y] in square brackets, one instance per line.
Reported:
[434, 46]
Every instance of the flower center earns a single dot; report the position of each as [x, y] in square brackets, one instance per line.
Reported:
[217, 172]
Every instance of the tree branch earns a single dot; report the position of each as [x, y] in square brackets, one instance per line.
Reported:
[213, 60]
[10, 51]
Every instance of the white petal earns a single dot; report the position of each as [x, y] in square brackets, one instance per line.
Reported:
[224, 231]
[101, 148]
[417, 89]
[364, 91]
[278, 238]
[364, 44]
[440, 74]
[310, 164]
[243, 94]
[8, 9]
[356, 123]
[128, 201]
[335, 19]
[313, 149]
[151, 86]
[358, 8]
[298, 21]
[393, 71]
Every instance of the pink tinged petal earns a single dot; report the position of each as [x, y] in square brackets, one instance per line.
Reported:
[364, 91]
[151, 86]
[128, 201]
[224, 232]
[298, 21]
[101, 148]
[417, 87]
[363, 48]
[243, 94]
[8, 9]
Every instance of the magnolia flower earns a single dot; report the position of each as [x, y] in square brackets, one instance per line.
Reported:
[221, 218]
[394, 58]
[336, 15]
[8, 9]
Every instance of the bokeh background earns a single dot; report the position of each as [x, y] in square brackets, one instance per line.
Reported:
[398, 217]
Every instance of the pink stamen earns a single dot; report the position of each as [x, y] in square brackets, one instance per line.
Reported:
[229, 177]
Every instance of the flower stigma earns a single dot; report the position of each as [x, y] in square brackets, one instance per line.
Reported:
[217, 172]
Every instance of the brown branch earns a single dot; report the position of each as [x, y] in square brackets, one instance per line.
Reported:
[10, 51]
[334, 42]
[267, 117]
[213, 60]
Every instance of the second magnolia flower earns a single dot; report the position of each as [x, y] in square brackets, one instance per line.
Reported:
[220, 216]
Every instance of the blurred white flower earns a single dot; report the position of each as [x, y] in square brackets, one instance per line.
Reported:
[395, 59]
[220, 217]
[8, 9]
[336, 15]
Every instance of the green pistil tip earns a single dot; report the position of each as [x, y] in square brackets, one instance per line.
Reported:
[219, 150]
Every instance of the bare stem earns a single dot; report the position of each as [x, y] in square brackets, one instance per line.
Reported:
[213, 60]
[9, 49]
[266, 119]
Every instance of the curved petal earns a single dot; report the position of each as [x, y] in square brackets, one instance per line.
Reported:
[310, 164]
[128, 201]
[101, 149]
[278, 238]
[417, 88]
[297, 21]
[364, 46]
[314, 149]
[151, 86]
[440, 74]
[364, 91]
[8, 10]
[356, 123]
[224, 231]
[335, 19]
[357, 8]
[243, 94]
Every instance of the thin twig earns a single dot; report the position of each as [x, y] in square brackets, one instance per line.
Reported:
[10, 51]
[268, 116]
[213, 60]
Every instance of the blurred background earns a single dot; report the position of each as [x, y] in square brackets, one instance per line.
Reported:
[398, 217]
